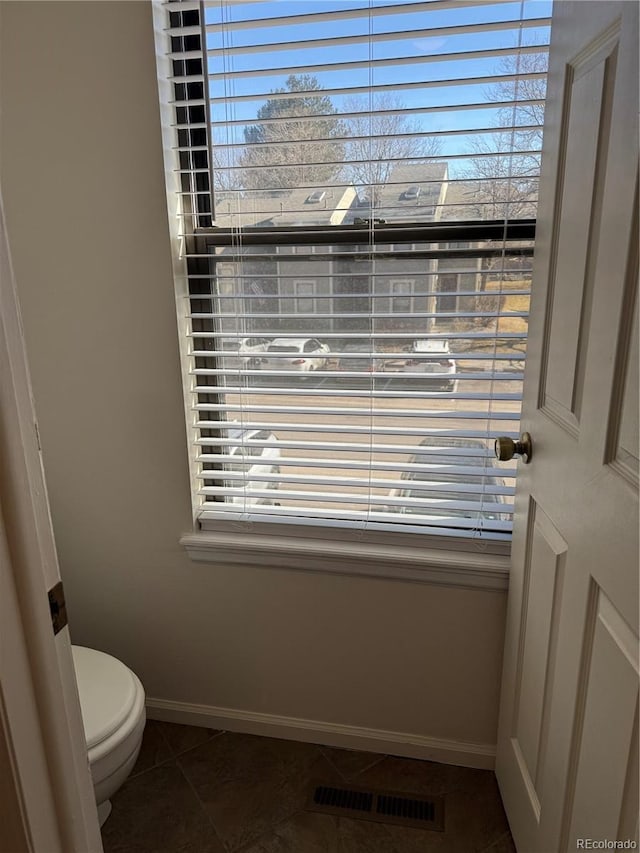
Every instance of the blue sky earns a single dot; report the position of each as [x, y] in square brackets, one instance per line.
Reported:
[416, 44]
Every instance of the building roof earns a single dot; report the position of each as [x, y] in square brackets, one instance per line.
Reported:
[463, 201]
[319, 204]
[414, 192]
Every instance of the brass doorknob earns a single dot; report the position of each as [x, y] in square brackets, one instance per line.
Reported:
[506, 448]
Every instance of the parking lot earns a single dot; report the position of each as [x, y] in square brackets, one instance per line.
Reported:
[331, 428]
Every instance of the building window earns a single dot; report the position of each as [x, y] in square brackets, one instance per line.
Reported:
[401, 292]
[305, 292]
[447, 286]
[369, 206]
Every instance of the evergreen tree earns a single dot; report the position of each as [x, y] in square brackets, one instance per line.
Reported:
[295, 141]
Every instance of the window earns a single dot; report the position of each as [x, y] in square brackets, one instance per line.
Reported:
[358, 186]
[447, 284]
[305, 291]
[401, 290]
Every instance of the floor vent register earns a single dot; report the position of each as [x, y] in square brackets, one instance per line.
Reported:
[382, 806]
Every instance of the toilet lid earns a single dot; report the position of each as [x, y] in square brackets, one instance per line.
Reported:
[107, 691]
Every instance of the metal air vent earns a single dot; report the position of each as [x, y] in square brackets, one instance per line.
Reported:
[382, 806]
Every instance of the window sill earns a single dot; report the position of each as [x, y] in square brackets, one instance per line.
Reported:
[475, 567]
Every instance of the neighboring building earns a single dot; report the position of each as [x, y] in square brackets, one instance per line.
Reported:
[415, 192]
[459, 275]
[277, 285]
[336, 288]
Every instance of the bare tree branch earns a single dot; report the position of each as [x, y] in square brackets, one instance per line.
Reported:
[380, 139]
[505, 164]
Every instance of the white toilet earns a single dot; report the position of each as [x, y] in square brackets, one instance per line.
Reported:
[112, 703]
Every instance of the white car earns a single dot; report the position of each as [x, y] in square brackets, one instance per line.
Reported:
[264, 459]
[432, 358]
[301, 354]
[244, 352]
[449, 500]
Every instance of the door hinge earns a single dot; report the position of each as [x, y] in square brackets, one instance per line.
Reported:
[58, 607]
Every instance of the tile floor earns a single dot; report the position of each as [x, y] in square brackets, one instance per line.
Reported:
[196, 790]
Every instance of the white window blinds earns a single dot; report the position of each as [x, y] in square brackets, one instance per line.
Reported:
[358, 186]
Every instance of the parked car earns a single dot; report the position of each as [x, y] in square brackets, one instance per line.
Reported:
[430, 358]
[469, 453]
[244, 352]
[353, 358]
[301, 354]
[264, 459]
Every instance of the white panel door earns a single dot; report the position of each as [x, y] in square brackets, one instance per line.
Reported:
[567, 746]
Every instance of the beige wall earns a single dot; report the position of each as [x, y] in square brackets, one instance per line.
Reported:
[82, 178]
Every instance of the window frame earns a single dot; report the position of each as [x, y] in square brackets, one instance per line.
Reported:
[438, 559]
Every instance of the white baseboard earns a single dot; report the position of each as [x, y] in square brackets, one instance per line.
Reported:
[480, 755]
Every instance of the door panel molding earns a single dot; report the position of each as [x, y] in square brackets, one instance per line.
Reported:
[609, 675]
[621, 448]
[586, 123]
[542, 600]
[579, 712]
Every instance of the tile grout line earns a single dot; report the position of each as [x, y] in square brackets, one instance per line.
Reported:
[505, 835]
[173, 755]
[369, 766]
[197, 745]
[287, 818]
[205, 812]
[158, 763]
[363, 770]
[225, 846]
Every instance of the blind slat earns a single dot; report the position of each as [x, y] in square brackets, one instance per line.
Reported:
[434, 452]
[442, 470]
[376, 38]
[493, 376]
[353, 520]
[405, 111]
[386, 63]
[355, 429]
[341, 14]
[466, 82]
[369, 500]
[353, 412]
[375, 137]
[338, 392]
[234, 480]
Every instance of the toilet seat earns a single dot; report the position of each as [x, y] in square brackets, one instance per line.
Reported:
[108, 693]
[111, 700]
[113, 715]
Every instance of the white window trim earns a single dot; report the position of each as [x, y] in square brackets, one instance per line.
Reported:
[461, 563]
